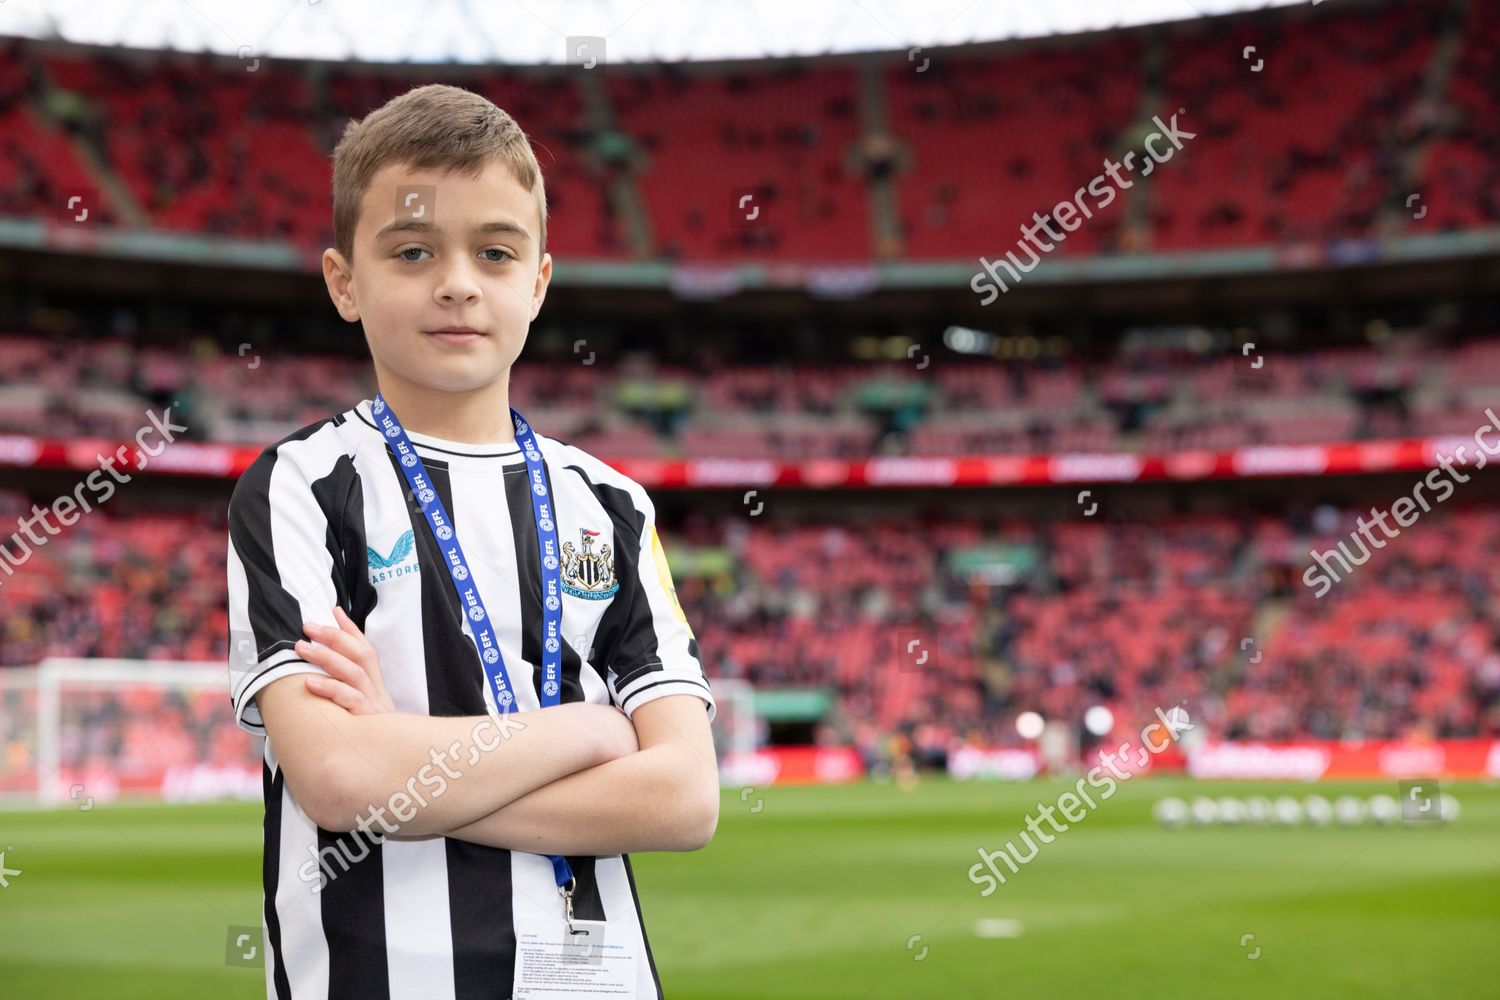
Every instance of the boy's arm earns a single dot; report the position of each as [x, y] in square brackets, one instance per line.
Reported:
[285, 555]
[344, 767]
[663, 798]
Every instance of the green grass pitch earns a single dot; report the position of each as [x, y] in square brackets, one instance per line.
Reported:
[856, 893]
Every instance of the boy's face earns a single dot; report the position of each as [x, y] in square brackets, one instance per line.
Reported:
[438, 249]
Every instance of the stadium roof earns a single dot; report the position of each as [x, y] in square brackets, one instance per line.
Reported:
[537, 31]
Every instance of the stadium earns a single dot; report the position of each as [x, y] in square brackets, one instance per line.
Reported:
[1069, 440]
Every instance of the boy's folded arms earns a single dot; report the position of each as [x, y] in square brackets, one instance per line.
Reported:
[342, 767]
[655, 790]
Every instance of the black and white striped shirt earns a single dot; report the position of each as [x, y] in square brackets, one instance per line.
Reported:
[323, 517]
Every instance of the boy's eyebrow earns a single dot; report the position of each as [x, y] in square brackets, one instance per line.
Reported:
[418, 226]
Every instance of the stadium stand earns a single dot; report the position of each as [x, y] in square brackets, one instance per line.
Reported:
[1131, 614]
[847, 159]
[1460, 176]
[1414, 383]
[1305, 147]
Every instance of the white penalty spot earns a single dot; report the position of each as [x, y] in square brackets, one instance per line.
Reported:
[997, 927]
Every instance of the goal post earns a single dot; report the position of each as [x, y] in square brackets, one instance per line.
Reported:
[736, 728]
[18, 734]
[140, 728]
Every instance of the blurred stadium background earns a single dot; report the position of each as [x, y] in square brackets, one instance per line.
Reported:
[939, 554]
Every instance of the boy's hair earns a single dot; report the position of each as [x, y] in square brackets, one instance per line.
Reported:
[436, 126]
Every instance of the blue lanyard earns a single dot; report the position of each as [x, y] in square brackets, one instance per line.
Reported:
[468, 590]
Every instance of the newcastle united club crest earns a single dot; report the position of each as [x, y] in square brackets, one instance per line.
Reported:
[588, 574]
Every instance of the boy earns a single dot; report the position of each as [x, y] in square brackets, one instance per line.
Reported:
[450, 789]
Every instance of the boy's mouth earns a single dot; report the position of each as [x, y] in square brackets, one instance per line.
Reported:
[455, 334]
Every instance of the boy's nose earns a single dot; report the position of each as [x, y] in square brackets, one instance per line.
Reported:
[457, 284]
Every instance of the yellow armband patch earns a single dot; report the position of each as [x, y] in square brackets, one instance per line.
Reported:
[664, 574]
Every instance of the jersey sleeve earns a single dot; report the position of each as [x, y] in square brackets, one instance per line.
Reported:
[657, 653]
[281, 573]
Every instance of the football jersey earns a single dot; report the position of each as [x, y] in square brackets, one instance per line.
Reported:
[325, 517]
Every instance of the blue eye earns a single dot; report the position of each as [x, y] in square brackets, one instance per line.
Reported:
[402, 253]
[504, 256]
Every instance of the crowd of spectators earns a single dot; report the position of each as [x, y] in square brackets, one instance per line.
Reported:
[956, 621]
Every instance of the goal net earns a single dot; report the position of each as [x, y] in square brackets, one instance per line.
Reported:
[736, 729]
[77, 730]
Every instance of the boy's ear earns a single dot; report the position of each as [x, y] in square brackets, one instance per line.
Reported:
[338, 275]
[543, 280]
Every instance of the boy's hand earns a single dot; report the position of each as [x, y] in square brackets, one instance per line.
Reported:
[355, 683]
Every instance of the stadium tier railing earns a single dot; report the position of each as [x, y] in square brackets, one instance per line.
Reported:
[708, 280]
[190, 458]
